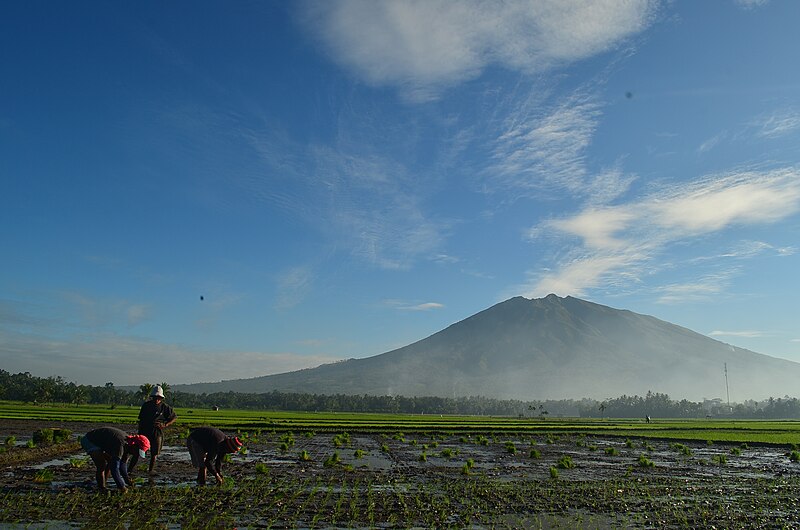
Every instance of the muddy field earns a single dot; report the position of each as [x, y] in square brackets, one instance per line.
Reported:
[400, 480]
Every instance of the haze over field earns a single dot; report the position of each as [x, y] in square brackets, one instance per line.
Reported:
[205, 191]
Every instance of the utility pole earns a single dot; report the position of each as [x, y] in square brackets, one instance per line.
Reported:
[727, 392]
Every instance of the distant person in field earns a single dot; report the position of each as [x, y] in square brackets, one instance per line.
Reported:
[154, 417]
[207, 447]
[110, 448]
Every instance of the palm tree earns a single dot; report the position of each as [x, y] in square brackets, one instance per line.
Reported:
[144, 390]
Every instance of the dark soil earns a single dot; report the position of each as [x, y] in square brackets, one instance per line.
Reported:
[476, 482]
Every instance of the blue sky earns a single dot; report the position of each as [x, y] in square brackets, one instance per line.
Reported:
[337, 179]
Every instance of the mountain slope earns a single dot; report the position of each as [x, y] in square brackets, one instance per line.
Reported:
[548, 348]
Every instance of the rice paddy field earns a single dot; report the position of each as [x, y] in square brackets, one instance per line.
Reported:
[325, 470]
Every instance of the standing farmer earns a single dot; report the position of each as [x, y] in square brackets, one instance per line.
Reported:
[207, 446]
[154, 416]
[109, 448]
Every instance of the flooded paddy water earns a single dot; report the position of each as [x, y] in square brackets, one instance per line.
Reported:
[405, 480]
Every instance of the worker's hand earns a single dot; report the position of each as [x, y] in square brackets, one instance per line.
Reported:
[219, 479]
[159, 425]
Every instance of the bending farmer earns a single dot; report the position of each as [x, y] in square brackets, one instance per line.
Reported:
[207, 446]
[109, 448]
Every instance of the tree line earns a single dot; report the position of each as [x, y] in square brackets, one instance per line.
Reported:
[31, 389]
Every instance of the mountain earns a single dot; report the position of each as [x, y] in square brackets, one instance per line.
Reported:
[547, 348]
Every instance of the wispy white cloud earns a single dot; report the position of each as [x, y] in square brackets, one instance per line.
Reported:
[402, 305]
[294, 285]
[539, 151]
[617, 242]
[751, 334]
[777, 124]
[712, 142]
[423, 46]
[750, 4]
[701, 289]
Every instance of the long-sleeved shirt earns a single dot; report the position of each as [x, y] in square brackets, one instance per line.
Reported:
[112, 442]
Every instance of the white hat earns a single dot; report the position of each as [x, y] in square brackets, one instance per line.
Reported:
[157, 392]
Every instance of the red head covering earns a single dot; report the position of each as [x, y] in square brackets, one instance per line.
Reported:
[233, 444]
[140, 442]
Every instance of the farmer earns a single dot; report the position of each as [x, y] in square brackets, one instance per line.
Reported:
[109, 448]
[154, 416]
[207, 446]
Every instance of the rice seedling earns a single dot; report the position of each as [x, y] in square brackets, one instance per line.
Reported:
[535, 453]
[736, 451]
[304, 456]
[78, 463]
[682, 449]
[448, 453]
[720, 459]
[423, 457]
[261, 468]
[794, 456]
[565, 462]
[333, 460]
[11, 440]
[30, 444]
[43, 475]
[358, 453]
[645, 462]
[511, 448]
[611, 451]
[553, 472]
